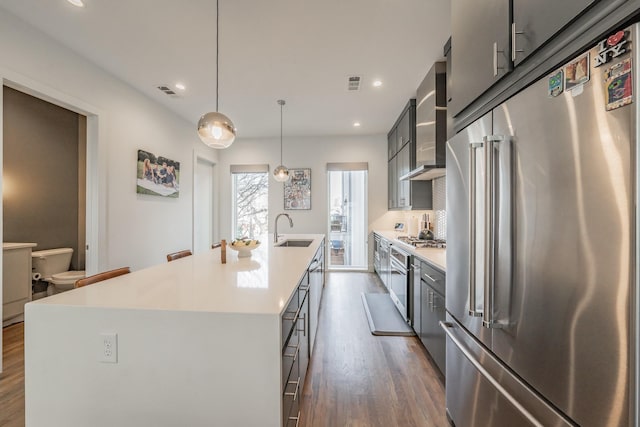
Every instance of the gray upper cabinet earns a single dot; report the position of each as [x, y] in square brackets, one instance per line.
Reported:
[404, 167]
[405, 194]
[535, 22]
[393, 184]
[403, 132]
[480, 48]
[392, 143]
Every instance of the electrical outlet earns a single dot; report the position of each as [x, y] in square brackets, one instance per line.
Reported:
[108, 347]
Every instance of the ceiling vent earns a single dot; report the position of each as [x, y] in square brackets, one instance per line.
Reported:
[353, 82]
[167, 91]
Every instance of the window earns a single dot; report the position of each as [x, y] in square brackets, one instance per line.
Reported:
[347, 215]
[250, 201]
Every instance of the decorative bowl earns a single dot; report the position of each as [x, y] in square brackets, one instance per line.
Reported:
[244, 246]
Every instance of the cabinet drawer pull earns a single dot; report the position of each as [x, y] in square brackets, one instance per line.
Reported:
[294, 355]
[295, 418]
[304, 325]
[295, 393]
[430, 278]
[295, 316]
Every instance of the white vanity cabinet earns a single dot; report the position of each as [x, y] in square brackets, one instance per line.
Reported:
[16, 280]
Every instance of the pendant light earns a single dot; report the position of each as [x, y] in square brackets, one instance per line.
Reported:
[215, 129]
[281, 173]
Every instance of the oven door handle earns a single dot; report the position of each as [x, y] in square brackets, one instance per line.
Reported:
[396, 266]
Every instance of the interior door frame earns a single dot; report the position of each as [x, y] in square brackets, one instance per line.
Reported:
[208, 157]
[96, 167]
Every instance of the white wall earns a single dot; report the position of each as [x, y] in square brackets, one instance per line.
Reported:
[134, 230]
[174, 368]
[307, 152]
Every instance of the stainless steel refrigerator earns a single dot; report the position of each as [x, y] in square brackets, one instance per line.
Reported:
[542, 256]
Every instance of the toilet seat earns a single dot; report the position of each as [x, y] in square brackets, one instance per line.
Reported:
[67, 278]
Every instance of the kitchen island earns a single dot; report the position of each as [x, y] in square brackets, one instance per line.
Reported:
[197, 343]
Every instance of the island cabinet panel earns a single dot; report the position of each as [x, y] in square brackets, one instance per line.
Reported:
[199, 343]
[316, 284]
[295, 352]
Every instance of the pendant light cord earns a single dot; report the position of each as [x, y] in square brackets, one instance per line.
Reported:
[281, 104]
[217, 47]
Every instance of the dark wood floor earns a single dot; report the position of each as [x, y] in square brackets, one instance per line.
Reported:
[12, 377]
[354, 379]
[357, 379]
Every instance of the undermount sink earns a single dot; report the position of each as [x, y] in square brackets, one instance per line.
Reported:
[295, 243]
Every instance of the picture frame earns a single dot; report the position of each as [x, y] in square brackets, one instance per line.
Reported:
[297, 190]
[157, 175]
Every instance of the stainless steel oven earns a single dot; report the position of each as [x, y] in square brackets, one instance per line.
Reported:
[399, 280]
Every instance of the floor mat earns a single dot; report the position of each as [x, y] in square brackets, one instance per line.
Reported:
[383, 316]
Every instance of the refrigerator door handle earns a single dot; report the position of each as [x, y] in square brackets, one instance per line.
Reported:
[491, 143]
[473, 311]
[449, 327]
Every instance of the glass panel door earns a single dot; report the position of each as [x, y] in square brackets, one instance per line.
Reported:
[348, 220]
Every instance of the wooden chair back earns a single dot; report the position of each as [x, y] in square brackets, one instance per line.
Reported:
[177, 255]
[101, 276]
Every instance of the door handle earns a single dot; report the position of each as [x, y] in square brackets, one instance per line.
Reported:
[473, 311]
[514, 33]
[496, 68]
[490, 143]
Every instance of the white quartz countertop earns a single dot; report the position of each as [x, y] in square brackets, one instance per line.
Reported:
[434, 256]
[262, 284]
[8, 246]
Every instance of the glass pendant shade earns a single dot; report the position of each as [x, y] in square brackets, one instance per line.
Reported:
[216, 130]
[281, 174]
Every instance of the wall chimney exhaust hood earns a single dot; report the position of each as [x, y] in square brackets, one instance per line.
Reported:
[425, 173]
[431, 126]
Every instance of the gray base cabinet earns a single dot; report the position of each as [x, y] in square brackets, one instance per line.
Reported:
[381, 254]
[299, 323]
[431, 298]
[316, 285]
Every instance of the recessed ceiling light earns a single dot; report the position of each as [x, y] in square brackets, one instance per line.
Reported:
[356, 124]
[377, 83]
[180, 86]
[78, 3]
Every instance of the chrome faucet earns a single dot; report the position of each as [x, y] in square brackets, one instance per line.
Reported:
[275, 229]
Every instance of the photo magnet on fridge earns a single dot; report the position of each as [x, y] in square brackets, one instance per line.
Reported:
[556, 83]
[576, 72]
[618, 85]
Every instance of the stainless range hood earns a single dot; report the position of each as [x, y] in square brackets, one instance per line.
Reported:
[425, 173]
[431, 126]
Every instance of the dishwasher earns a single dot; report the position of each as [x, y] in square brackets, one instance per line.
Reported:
[399, 280]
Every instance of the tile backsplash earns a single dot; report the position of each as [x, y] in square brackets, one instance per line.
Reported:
[411, 219]
[440, 206]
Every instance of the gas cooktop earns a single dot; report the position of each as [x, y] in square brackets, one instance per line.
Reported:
[421, 243]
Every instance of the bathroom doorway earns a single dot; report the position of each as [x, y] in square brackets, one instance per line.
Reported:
[95, 181]
[44, 177]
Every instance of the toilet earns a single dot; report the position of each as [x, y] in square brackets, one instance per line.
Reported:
[53, 266]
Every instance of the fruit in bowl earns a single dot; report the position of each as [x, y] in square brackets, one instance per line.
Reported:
[244, 246]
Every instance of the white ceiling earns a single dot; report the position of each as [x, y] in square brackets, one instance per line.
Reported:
[298, 50]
